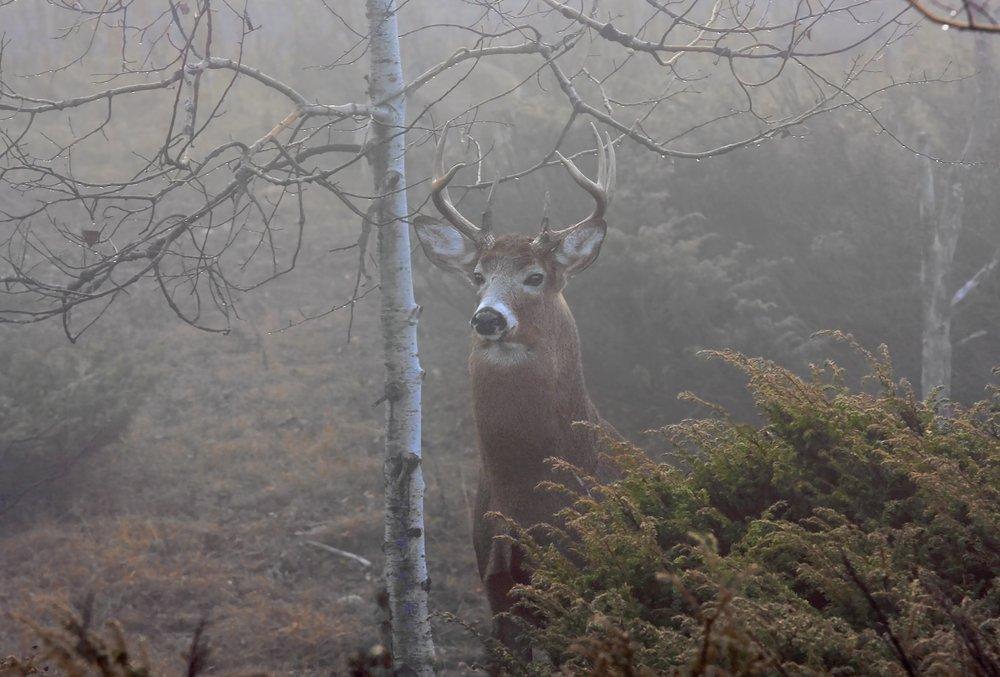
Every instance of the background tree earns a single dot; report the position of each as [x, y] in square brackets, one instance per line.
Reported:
[943, 218]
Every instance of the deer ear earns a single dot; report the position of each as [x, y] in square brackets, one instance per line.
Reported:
[445, 246]
[579, 247]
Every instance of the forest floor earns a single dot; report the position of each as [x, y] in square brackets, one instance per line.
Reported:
[247, 447]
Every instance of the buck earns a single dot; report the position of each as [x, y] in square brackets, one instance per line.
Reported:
[527, 375]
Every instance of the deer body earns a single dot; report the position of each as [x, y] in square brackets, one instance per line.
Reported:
[524, 411]
[528, 388]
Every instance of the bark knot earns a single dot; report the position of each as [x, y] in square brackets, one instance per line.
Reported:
[402, 467]
[394, 391]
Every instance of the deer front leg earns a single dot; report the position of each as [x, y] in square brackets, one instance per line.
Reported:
[500, 568]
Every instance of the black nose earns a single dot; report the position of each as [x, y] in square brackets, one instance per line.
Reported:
[488, 322]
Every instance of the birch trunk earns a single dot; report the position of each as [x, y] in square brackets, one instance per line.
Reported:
[945, 224]
[405, 558]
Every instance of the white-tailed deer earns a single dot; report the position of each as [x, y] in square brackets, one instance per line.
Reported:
[527, 375]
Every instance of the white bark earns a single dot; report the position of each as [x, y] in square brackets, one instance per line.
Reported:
[405, 558]
[936, 346]
[945, 223]
[977, 279]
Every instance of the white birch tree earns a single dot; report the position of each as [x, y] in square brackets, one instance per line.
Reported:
[941, 215]
[405, 557]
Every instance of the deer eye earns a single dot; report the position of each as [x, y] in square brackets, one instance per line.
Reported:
[478, 279]
[534, 279]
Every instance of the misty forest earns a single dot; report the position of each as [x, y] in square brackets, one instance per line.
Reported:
[528, 337]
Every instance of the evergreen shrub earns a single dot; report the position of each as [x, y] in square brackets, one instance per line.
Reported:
[848, 532]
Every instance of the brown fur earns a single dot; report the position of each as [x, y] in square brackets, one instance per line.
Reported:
[524, 414]
[527, 375]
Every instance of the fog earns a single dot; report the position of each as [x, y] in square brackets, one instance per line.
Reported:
[176, 474]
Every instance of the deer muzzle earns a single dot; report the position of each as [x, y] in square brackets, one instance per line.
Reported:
[489, 323]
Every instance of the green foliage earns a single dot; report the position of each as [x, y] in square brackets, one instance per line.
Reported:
[61, 404]
[848, 533]
[647, 328]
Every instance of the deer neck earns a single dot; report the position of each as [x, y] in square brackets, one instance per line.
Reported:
[525, 399]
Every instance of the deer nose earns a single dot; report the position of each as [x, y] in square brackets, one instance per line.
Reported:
[488, 322]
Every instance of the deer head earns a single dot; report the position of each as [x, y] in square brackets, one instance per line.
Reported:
[518, 278]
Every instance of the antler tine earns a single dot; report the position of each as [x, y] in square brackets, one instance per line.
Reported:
[602, 160]
[439, 193]
[601, 189]
[488, 214]
[609, 188]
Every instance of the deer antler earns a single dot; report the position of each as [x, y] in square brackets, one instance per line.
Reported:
[488, 213]
[439, 194]
[601, 190]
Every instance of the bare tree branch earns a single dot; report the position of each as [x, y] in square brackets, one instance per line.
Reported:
[964, 15]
